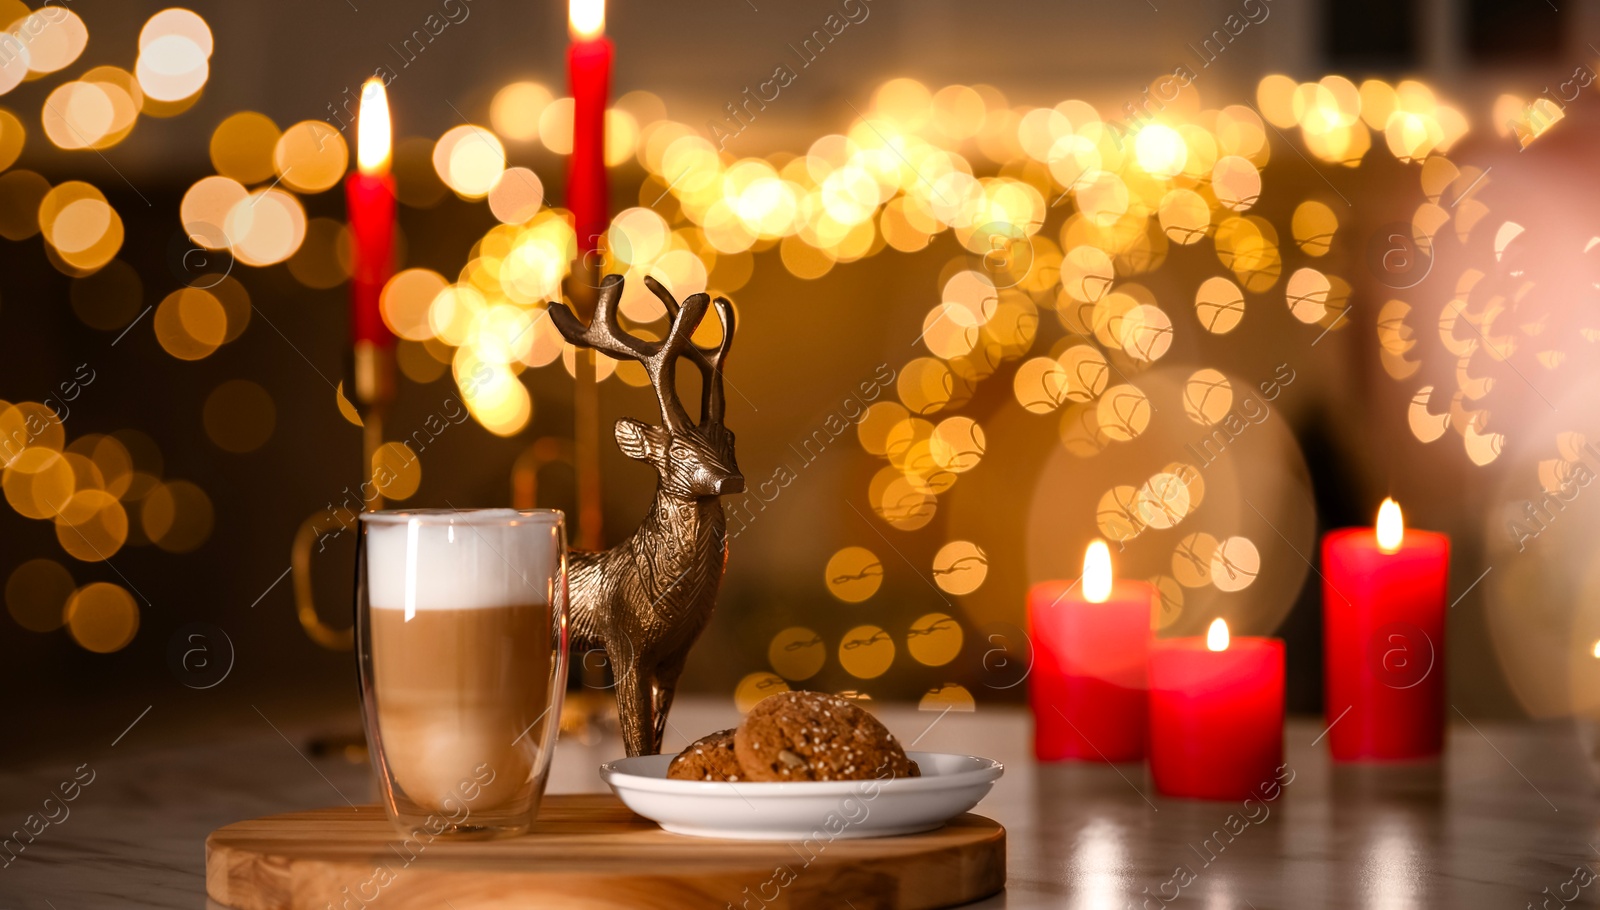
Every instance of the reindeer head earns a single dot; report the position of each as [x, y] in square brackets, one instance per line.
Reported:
[694, 461]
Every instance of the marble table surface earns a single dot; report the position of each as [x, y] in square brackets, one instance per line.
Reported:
[1510, 817]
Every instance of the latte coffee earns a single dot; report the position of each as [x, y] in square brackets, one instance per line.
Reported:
[463, 663]
[457, 689]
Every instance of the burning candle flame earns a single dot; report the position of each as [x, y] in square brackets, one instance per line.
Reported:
[1097, 573]
[587, 18]
[1596, 650]
[1391, 527]
[372, 129]
[1217, 635]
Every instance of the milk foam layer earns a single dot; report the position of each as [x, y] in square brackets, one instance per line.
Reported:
[441, 561]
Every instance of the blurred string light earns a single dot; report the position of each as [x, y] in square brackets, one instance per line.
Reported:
[1494, 323]
[1072, 217]
[897, 178]
[82, 231]
[1502, 321]
[101, 492]
[104, 492]
[174, 58]
[1183, 180]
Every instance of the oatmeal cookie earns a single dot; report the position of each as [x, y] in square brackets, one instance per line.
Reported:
[815, 736]
[708, 758]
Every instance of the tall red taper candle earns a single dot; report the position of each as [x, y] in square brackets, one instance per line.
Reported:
[1383, 611]
[589, 76]
[1088, 688]
[369, 197]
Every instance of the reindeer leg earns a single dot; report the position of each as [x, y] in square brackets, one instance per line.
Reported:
[663, 704]
[634, 711]
[666, 686]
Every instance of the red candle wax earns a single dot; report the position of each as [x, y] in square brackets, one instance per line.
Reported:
[1216, 717]
[369, 203]
[589, 76]
[1088, 685]
[1383, 615]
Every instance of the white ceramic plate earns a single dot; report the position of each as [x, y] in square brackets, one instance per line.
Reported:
[801, 810]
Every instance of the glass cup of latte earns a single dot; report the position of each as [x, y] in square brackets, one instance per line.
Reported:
[461, 632]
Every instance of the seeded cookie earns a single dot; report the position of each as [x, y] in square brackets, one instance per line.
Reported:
[707, 758]
[814, 736]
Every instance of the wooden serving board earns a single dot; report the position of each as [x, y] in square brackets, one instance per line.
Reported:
[589, 851]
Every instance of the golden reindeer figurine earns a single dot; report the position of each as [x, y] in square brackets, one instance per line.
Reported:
[648, 598]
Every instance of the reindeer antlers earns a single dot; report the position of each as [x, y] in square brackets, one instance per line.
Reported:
[604, 334]
[709, 360]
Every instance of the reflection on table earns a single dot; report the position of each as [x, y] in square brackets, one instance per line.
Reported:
[1480, 829]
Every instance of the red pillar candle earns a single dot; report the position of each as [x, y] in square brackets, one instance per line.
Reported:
[1216, 714]
[1383, 609]
[369, 197]
[1091, 646]
[589, 76]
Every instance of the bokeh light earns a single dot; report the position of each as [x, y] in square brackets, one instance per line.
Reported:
[190, 323]
[396, 470]
[265, 227]
[13, 135]
[797, 653]
[55, 39]
[960, 567]
[80, 226]
[242, 147]
[174, 55]
[177, 516]
[92, 526]
[854, 574]
[515, 111]
[102, 617]
[866, 652]
[756, 686]
[310, 156]
[516, 196]
[934, 639]
[470, 160]
[36, 594]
